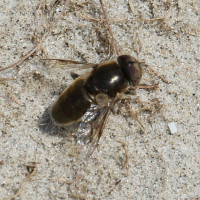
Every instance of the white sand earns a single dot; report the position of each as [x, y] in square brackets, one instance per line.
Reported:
[161, 165]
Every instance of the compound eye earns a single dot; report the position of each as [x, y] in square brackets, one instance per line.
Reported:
[131, 69]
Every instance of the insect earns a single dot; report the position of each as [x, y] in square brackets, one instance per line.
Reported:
[91, 96]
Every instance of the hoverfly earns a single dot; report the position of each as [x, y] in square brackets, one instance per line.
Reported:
[90, 98]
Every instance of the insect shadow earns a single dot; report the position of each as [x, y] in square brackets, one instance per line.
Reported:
[47, 126]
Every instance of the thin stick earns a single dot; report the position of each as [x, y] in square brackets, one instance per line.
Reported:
[156, 73]
[20, 188]
[148, 86]
[52, 179]
[144, 86]
[10, 93]
[7, 79]
[135, 117]
[153, 19]
[109, 28]
[124, 145]
[38, 46]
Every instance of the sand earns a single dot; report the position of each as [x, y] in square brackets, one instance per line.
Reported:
[38, 160]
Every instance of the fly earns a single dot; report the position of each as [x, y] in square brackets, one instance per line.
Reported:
[90, 98]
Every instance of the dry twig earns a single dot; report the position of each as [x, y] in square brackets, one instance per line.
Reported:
[38, 46]
[10, 93]
[19, 190]
[109, 28]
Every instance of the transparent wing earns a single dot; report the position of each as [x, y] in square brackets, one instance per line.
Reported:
[67, 63]
[91, 126]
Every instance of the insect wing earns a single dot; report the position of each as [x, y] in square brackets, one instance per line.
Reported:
[67, 63]
[91, 127]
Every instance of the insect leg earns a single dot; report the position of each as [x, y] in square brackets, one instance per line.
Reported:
[128, 92]
[132, 90]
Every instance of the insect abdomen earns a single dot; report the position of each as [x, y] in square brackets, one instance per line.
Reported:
[71, 105]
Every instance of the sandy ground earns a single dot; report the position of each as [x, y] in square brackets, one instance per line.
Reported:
[38, 160]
